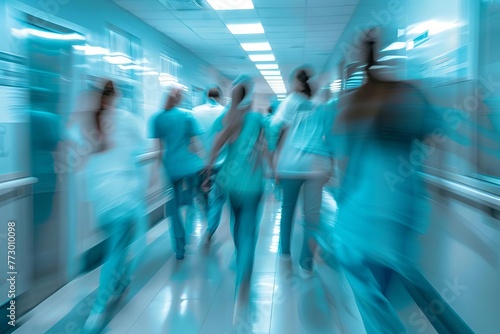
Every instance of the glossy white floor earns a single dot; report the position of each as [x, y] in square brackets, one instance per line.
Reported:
[196, 295]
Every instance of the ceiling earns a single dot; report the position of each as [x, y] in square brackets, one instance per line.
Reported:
[299, 32]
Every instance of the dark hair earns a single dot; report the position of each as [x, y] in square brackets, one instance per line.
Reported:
[370, 46]
[107, 92]
[214, 93]
[303, 78]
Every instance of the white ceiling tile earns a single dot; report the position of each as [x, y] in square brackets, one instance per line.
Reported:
[328, 11]
[218, 36]
[195, 14]
[294, 28]
[142, 5]
[235, 15]
[282, 12]
[284, 35]
[155, 14]
[279, 3]
[211, 30]
[325, 27]
[327, 3]
[213, 23]
[328, 19]
[278, 21]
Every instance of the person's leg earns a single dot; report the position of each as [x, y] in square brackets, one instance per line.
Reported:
[234, 203]
[378, 315]
[178, 232]
[246, 210]
[291, 189]
[313, 195]
[247, 235]
[113, 272]
[216, 200]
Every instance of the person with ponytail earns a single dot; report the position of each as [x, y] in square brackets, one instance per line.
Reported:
[115, 187]
[300, 131]
[240, 132]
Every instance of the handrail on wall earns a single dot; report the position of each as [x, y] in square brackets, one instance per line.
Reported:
[472, 193]
[12, 184]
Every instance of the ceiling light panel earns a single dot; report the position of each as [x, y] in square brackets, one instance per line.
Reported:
[262, 57]
[230, 4]
[270, 72]
[263, 46]
[267, 66]
[246, 29]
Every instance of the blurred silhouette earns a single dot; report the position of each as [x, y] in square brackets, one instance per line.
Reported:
[300, 128]
[116, 190]
[382, 208]
[241, 175]
[206, 114]
[182, 155]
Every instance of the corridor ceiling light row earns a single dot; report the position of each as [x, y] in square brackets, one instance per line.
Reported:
[246, 29]
[230, 4]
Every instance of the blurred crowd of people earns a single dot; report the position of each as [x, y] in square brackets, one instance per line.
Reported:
[216, 154]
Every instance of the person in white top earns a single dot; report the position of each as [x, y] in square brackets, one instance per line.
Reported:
[304, 159]
[116, 188]
[206, 114]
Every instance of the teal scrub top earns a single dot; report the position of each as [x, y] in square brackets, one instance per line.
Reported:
[242, 171]
[175, 128]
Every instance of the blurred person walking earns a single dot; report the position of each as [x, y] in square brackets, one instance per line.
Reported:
[182, 154]
[214, 197]
[300, 132]
[241, 176]
[116, 189]
[382, 207]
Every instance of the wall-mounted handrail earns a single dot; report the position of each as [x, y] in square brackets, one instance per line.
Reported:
[475, 194]
[13, 184]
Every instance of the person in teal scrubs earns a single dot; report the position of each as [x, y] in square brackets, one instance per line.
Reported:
[241, 175]
[176, 130]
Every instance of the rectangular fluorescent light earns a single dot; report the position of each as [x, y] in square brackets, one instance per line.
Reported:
[23, 33]
[395, 46]
[387, 58]
[270, 72]
[132, 67]
[262, 46]
[154, 73]
[117, 59]
[230, 4]
[245, 29]
[263, 57]
[267, 66]
[91, 50]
